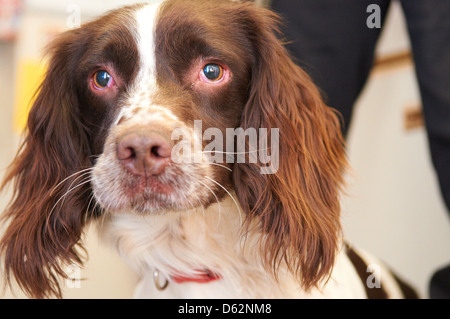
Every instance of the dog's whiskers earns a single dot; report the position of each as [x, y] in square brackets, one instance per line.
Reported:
[85, 178]
[88, 210]
[223, 166]
[237, 153]
[84, 171]
[217, 200]
[234, 200]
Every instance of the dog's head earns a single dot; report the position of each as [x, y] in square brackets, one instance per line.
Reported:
[165, 107]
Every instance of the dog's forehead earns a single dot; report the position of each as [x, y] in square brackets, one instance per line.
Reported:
[170, 37]
[154, 29]
[185, 29]
[146, 21]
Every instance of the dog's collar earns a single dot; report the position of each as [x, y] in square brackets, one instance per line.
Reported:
[201, 276]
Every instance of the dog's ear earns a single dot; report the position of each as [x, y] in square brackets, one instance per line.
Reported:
[297, 204]
[50, 200]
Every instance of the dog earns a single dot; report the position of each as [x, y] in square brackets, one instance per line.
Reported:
[128, 131]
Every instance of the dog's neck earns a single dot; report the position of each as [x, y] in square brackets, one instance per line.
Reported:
[211, 239]
[176, 243]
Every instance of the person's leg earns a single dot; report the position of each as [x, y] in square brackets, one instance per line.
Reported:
[331, 41]
[440, 284]
[429, 28]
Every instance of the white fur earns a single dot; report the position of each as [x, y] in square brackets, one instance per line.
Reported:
[212, 239]
[145, 85]
[146, 19]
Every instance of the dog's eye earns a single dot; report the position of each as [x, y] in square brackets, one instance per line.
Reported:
[102, 80]
[213, 72]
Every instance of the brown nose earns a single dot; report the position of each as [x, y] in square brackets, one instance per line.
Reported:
[144, 153]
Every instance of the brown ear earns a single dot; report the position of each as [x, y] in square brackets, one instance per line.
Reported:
[298, 205]
[47, 212]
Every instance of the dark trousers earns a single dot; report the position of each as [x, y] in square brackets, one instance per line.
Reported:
[331, 40]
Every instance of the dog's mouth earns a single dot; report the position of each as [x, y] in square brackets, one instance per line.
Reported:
[150, 196]
[147, 187]
[179, 187]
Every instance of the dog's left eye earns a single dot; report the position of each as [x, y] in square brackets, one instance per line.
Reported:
[212, 72]
[102, 80]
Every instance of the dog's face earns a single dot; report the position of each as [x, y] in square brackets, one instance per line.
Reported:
[180, 69]
[125, 121]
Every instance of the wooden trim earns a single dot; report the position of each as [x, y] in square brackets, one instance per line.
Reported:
[392, 61]
[413, 117]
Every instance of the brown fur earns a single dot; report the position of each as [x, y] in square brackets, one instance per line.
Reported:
[299, 205]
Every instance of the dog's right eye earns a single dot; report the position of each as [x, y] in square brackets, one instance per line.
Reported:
[102, 80]
[212, 73]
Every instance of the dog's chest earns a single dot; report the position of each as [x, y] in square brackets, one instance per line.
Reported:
[210, 239]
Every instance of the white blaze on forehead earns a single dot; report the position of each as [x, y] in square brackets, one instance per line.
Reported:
[146, 18]
[140, 93]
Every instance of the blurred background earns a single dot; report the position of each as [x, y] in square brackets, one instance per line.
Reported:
[393, 207]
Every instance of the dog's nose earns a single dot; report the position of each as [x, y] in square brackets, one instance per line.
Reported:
[144, 153]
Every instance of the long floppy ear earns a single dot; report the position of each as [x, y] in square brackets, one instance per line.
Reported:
[47, 212]
[298, 204]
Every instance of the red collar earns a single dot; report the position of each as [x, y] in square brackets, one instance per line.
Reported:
[203, 276]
